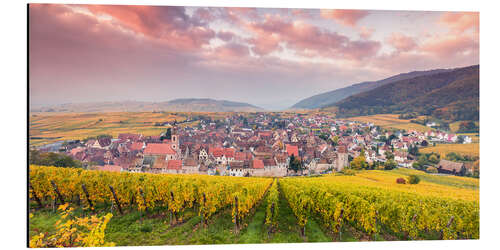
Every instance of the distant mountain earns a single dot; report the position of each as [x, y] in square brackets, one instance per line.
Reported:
[177, 105]
[331, 97]
[451, 95]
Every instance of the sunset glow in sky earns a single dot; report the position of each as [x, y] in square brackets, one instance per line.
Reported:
[267, 57]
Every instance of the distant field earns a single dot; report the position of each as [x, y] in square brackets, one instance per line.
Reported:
[50, 127]
[471, 149]
[389, 121]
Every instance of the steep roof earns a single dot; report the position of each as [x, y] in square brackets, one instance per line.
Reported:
[136, 146]
[174, 164]
[159, 149]
[229, 152]
[292, 150]
[190, 162]
[258, 164]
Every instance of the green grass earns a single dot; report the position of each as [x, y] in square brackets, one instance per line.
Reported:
[460, 182]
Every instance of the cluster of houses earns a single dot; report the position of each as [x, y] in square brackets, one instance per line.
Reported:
[258, 146]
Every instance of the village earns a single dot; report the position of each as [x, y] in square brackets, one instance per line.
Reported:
[260, 145]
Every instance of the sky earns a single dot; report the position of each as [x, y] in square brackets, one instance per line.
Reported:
[271, 58]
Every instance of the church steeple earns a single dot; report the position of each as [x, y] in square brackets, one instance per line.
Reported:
[175, 138]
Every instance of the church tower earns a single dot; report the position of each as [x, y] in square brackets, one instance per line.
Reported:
[175, 139]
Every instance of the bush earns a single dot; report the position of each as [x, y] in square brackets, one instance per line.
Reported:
[349, 172]
[413, 179]
[400, 181]
[431, 170]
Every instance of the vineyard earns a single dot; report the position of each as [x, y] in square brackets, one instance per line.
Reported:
[155, 209]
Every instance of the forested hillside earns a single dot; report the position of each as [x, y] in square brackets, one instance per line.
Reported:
[452, 96]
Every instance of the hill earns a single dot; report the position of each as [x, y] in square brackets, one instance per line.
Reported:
[331, 97]
[451, 95]
[177, 105]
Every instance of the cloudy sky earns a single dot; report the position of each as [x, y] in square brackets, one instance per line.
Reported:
[267, 57]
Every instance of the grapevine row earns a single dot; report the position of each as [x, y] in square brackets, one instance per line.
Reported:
[272, 205]
[370, 209]
[148, 191]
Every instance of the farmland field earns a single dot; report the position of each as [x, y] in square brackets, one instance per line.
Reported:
[391, 121]
[471, 149]
[51, 127]
[161, 209]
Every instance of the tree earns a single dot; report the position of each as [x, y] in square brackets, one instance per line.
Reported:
[359, 163]
[431, 170]
[295, 164]
[52, 159]
[168, 135]
[324, 136]
[413, 179]
[390, 164]
[413, 150]
[468, 127]
[416, 165]
[452, 156]
[389, 155]
[433, 159]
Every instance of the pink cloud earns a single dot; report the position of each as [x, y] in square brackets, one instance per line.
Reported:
[231, 51]
[307, 40]
[401, 42]
[345, 17]
[460, 22]
[169, 24]
[450, 46]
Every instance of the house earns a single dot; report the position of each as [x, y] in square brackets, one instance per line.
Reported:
[130, 137]
[258, 169]
[450, 167]
[136, 146]
[400, 156]
[323, 165]
[101, 143]
[203, 155]
[174, 167]
[190, 166]
[237, 168]
[165, 150]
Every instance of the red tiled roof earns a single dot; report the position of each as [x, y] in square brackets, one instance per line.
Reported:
[174, 164]
[292, 150]
[159, 149]
[258, 164]
[132, 137]
[215, 151]
[229, 152]
[265, 134]
[136, 146]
